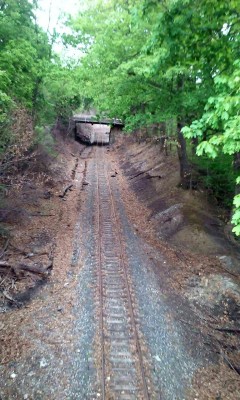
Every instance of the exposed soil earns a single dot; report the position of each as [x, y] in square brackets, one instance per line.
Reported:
[184, 222]
[42, 237]
[179, 234]
[201, 268]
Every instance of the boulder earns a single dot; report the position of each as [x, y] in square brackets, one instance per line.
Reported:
[170, 220]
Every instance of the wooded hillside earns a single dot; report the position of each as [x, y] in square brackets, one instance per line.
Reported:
[175, 62]
[169, 68]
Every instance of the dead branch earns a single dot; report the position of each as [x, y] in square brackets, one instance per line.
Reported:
[228, 330]
[6, 276]
[154, 176]
[137, 154]
[34, 269]
[5, 164]
[198, 332]
[5, 248]
[5, 272]
[140, 173]
[43, 215]
[5, 264]
[31, 255]
[8, 297]
[67, 188]
[19, 250]
[30, 268]
[230, 364]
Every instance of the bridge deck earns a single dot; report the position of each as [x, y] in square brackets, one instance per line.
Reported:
[92, 119]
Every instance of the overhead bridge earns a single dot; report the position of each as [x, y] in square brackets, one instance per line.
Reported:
[91, 130]
[92, 119]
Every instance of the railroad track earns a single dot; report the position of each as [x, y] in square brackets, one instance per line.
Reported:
[121, 364]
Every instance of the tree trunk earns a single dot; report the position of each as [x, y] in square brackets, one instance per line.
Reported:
[237, 170]
[112, 136]
[228, 228]
[185, 170]
[36, 92]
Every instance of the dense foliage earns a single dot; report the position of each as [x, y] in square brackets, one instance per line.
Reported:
[173, 60]
[149, 62]
[32, 79]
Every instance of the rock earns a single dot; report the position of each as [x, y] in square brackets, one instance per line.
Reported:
[169, 220]
[47, 195]
[43, 363]
[230, 264]
[13, 375]
[210, 290]
[29, 255]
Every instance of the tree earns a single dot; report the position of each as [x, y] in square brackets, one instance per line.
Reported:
[61, 92]
[219, 128]
[157, 61]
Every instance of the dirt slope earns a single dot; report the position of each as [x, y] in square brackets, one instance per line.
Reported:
[180, 293]
[203, 264]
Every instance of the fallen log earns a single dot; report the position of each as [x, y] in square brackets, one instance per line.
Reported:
[29, 268]
[228, 330]
[154, 176]
[43, 215]
[34, 269]
[5, 264]
[67, 188]
[140, 173]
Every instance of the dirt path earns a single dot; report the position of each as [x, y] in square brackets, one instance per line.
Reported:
[108, 331]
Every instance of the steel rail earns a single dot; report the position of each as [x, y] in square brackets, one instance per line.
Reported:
[100, 286]
[130, 302]
[126, 281]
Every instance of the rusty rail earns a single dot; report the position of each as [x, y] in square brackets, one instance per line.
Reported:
[122, 367]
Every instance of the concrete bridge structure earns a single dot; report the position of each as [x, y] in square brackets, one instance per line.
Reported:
[91, 130]
[92, 119]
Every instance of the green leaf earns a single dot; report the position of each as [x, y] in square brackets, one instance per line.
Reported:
[236, 230]
[208, 148]
[236, 202]
[225, 115]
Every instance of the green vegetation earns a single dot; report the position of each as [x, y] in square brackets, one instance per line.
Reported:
[33, 81]
[219, 128]
[148, 62]
[156, 61]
